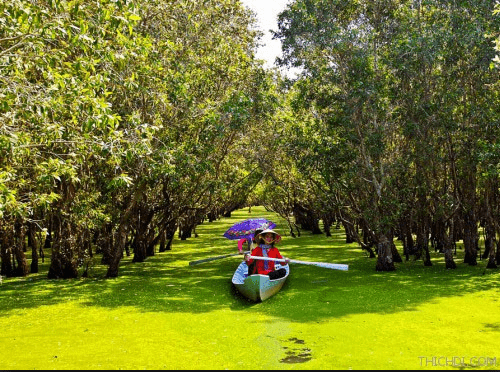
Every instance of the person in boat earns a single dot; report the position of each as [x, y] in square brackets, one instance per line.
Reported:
[251, 242]
[266, 241]
[256, 237]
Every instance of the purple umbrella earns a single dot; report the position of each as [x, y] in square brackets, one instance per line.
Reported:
[246, 229]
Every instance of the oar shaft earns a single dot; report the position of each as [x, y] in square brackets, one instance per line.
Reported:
[326, 265]
[214, 258]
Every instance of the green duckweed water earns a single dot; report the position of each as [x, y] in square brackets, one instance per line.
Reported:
[165, 314]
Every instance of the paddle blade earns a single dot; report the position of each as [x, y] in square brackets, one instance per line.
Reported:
[335, 266]
[325, 265]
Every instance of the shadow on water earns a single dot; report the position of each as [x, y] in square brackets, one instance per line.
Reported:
[166, 283]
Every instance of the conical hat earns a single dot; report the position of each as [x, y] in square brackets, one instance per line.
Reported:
[277, 237]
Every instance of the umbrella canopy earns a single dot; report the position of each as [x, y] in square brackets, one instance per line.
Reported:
[246, 229]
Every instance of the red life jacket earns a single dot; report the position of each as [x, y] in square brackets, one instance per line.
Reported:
[259, 267]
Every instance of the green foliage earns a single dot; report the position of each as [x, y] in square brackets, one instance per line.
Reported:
[122, 121]
[110, 102]
[394, 96]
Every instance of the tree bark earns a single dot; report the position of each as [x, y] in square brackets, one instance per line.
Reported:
[353, 236]
[491, 243]
[423, 228]
[395, 253]
[169, 235]
[140, 243]
[121, 234]
[327, 223]
[448, 251]
[34, 247]
[105, 243]
[306, 219]
[19, 241]
[497, 255]
[490, 224]
[6, 241]
[406, 236]
[471, 238]
[62, 266]
[385, 261]
[118, 247]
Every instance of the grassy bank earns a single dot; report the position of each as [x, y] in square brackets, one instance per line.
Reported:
[165, 314]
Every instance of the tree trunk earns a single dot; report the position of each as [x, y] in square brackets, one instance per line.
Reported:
[367, 236]
[436, 243]
[490, 224]
[121, 234]
[151, 242]
[139, 250]
[424, 242]
[491, 243]
[48, 238]
[471, 238]
[170, 239]
[169, 236]
[140, 243]
[34, 247]
[105, 243]
[327, 223]
[497, 255]
[306, 219]
[422, 239]
[291, 226]
[448, 251]
[353, 236]
[395, 253]
[349, 232]
[6, 242]
[118, 247]
[18, 248]
[406, 237]
[467, 185]
[444, 241]
[63, 265]
[385, 260]
[185, 230]
[85, 252]
[163, 241]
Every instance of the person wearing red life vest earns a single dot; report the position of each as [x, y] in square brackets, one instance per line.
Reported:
[265, 248]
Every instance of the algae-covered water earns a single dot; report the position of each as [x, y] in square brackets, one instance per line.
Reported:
[166, 314]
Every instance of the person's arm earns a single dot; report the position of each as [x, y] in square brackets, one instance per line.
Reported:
[251, 263]
[249, 260]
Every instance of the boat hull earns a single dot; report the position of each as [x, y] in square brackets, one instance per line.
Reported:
[257, 287]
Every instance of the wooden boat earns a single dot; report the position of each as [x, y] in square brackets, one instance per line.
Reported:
[257, 287]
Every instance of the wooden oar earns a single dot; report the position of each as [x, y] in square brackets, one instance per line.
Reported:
[326, 265]
[214, 258]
